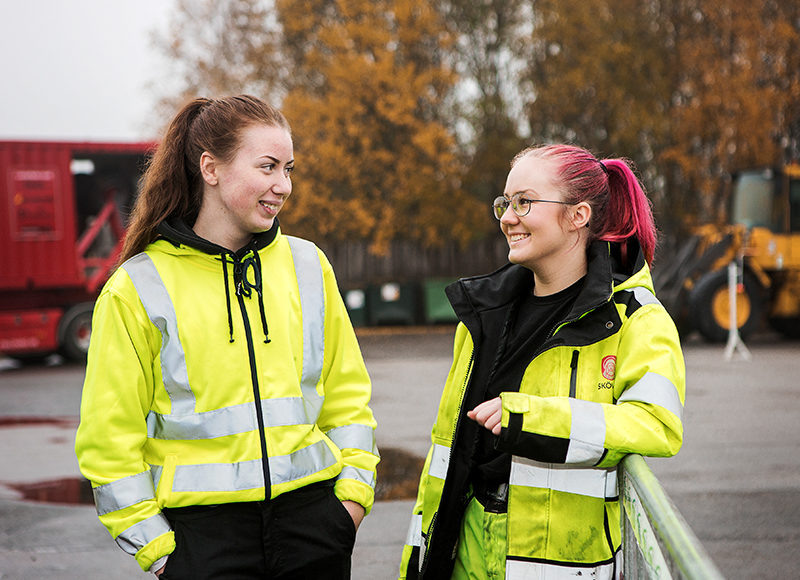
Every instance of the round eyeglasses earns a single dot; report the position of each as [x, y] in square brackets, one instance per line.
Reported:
[519, 204]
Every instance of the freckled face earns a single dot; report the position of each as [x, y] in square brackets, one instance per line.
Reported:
[251, 189]
[538, 238]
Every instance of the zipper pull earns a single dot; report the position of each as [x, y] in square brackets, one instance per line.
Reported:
[573, 375]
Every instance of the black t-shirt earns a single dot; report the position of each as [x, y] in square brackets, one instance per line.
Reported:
[534, 319]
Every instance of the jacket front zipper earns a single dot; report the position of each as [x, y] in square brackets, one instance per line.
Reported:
[429, 535]
[256, 392]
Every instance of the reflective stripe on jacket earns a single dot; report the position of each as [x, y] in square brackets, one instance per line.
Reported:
[178, 358]
[609, 381]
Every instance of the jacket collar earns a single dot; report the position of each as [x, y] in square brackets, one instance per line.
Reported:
[471, 296]
[177, 232]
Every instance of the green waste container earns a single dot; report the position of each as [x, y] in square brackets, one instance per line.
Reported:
[392, 303]
[355, 301]
[437, 306]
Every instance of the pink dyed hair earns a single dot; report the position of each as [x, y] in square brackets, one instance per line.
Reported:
[620, 207]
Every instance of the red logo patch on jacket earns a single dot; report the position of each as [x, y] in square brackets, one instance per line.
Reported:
[609, 367]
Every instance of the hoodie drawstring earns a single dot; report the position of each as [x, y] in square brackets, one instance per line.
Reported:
[264, 326]
[227, 295]
[244, 287]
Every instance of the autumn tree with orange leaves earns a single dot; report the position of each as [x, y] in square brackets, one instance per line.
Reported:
[362, 83]
[691, 90]
[405, 113]
[377, 161]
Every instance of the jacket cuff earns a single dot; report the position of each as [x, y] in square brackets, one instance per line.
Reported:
[162, 546]
[351, 490]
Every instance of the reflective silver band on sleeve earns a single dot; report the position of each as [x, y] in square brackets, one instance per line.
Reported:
[312, 304]
[139, 535]
[655, 389]
[590, 482]
[440, 461]
[644, 296]
[363, 475]
[587, 435]
[354, 436]
[123, 493]
[158, 305]
[155, 473]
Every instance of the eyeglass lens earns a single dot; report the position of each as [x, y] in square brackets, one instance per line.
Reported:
[499, 206]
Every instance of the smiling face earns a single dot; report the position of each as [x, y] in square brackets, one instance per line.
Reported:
[545, 238]
[242, 197]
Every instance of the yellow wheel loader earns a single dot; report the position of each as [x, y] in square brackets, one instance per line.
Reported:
[763, 239]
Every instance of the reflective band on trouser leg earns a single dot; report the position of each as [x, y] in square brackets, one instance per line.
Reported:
[123, 493]
[526, 570]
[591, 482]
[481, 545]
[139, 535]
[655, 389]
[312, 303]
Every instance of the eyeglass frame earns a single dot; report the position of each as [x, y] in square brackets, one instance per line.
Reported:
[514, 204]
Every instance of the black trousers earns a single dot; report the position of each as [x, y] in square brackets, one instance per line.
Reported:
[303, 534]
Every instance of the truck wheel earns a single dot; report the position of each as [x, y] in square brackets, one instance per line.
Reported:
[75, 330]
[709, 306]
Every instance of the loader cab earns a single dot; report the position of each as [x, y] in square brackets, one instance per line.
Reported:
[755, 200]
[763, 239]
[767, 198]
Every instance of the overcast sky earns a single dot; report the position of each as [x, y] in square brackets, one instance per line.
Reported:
[79, 69]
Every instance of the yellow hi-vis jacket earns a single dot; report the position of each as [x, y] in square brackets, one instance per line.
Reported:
[220, 378]
[609, 380]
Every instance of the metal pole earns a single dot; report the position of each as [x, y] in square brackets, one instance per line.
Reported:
[735, 342]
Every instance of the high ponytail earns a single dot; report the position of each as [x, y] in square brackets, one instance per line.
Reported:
[172, 185]
[620, 207]
[628, 209]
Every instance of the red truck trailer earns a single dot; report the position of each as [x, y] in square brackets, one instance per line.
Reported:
[62, 210]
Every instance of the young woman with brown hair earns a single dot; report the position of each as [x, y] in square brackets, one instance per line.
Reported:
[225, 424]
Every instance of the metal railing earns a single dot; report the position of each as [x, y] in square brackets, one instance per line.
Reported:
[656, 541]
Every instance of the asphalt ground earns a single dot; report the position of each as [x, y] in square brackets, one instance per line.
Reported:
[736, 481]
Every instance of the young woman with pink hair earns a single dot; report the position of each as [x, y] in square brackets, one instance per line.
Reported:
[564, 362]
